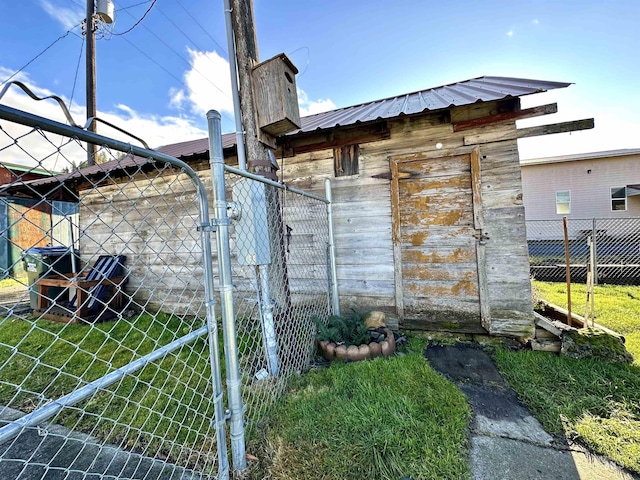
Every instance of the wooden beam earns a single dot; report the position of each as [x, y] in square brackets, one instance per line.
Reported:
[563, 127]
[506, 116]
[334, 138]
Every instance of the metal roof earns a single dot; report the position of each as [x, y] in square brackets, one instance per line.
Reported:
[481, 89]
[576, 157]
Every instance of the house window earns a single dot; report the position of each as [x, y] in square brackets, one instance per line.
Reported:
[618, 198]
[345, 160]
[563, 202]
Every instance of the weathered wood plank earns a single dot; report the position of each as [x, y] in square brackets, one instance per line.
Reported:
[505, 117]
[562, 127]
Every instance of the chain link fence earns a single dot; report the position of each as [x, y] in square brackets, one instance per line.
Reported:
[281, 281]
[616, 249]
[110, 362]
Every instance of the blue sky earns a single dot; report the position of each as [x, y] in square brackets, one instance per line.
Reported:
[159, 79]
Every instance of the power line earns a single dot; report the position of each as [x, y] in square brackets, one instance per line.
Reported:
[183, 59]
[203, 29]
[138, 22]
[179, 29]
[40, 54]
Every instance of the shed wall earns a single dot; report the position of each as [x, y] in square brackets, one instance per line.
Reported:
[367, 274]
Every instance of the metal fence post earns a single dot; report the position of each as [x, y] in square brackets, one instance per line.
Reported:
[594, 236]
[226, 292]
[332, 250]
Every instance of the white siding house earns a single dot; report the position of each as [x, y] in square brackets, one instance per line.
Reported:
[582, 186]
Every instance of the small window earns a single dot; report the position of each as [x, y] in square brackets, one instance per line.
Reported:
[618, 198]
[563, 202]
[345, 160]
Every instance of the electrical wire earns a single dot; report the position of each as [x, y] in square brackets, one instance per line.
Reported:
[203, 29]
[73, 90]
[179, 29]
[180, 81]
[40, 54]
[138, 22]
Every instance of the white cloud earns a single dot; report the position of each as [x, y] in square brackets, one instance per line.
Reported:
[510, 33]
[25, 146]
[310, 107]
[207, 85]
[68, 17]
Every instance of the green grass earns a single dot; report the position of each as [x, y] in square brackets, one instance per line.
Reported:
[382, 419]
[616, 307]
[164, 410]
[594, 402]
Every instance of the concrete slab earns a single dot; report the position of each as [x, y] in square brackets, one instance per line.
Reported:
[53, 452]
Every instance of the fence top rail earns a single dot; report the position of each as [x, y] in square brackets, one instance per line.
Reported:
[273, 183]
[34, 121]
[590, 219]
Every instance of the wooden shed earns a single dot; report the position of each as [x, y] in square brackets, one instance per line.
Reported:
[428, 210]
[429, 217]
[428, 201]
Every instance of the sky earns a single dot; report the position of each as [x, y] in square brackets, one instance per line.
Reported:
[160, 69]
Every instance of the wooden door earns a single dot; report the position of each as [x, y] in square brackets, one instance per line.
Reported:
[439, 243]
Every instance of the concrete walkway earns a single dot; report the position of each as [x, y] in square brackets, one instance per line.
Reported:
[52, 452]
[507, 443]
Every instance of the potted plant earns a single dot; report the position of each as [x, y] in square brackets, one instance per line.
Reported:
[355, 337]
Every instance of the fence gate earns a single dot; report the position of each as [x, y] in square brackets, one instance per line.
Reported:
[109, 357]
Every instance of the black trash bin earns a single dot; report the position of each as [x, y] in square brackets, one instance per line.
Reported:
[45, 261]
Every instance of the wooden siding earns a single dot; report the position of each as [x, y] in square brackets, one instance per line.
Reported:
[364, 228]
[364, 220]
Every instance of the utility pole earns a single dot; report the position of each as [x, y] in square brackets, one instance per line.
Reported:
[247, 57]
[91, 77]
[272, 278]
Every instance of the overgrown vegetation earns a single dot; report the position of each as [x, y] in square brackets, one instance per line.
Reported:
[382, 419]
[594, 402]
[616, 307]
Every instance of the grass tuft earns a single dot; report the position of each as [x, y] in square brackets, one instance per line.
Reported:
[383, 419]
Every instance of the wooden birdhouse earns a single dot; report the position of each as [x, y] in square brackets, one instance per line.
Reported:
[275, 95]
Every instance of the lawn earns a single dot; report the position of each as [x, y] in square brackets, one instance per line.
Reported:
[616, 307]
[164, 410]
[384, 419]
[594, 402]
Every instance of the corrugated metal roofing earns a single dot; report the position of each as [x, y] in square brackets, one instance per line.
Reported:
[576, 157]
[481, 89]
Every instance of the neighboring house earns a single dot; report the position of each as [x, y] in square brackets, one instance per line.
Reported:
[11, 172]
[429, 220]
[582, 186]
[599, 193]
[23, 221]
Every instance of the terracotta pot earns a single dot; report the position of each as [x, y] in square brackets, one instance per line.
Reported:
[354, 353]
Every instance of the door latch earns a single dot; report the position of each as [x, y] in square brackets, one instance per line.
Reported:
[481, 237]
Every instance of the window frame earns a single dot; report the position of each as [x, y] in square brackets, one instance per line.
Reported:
[617, 199]
[568, 203]
[346, 160]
